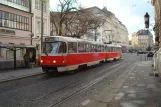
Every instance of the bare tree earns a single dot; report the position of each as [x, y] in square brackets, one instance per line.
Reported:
[58, 18]
[75, 21]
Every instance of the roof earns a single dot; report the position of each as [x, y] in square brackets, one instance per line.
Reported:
[144, 32]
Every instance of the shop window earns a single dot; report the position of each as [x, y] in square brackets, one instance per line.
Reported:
[9, 54]
[72, 47]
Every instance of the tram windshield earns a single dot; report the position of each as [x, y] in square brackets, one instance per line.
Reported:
[55, 47]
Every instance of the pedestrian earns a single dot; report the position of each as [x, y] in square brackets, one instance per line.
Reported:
[26, 60]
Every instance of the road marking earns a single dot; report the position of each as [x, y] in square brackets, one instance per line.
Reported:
[85, 102]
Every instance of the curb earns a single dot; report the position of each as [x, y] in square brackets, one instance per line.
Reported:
[20, 77]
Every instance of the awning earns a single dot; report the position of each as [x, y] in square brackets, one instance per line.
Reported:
[16, 46]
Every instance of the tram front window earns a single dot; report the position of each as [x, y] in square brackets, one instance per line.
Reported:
[54, 47]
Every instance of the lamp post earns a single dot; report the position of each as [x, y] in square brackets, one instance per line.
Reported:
[146, 18]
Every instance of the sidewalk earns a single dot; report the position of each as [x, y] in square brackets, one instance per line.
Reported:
[18, 74]
[134, 88]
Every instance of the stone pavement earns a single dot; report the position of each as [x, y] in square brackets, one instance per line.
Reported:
[134, 88]
[18, 74]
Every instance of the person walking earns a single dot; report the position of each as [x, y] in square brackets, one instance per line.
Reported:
[26, 60]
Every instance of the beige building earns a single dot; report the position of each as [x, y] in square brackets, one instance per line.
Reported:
[157, 28]
[19, 20]
[142, 40]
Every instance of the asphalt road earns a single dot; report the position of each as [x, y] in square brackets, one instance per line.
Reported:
[63, 90]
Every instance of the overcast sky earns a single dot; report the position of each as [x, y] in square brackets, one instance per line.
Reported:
[129, 12]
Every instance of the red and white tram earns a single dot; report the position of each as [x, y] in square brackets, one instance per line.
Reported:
[68, 54]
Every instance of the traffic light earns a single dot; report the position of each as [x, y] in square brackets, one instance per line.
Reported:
[146, 18]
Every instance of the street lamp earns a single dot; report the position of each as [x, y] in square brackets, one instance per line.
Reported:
[146, 18]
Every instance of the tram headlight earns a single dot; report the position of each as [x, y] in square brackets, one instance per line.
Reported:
[54, 61]
[41, 61]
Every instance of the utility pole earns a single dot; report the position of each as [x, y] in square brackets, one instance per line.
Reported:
[42, 1]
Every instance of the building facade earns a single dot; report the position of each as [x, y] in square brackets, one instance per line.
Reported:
[157, 27]
[142, 40]
[36, 19]
[18, 23]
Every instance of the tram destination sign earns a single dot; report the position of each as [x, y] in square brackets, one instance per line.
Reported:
[5, 31]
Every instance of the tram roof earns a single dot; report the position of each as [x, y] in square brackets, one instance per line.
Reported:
[70, 39]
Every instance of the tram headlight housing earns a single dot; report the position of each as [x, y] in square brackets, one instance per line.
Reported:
[41, 61]
[54, 61]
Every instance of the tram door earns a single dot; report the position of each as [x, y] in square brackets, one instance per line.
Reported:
[32, 54]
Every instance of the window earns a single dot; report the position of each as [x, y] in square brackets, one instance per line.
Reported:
[87, 49]
[13, 20]
[96, 48]
[99, 48]
[72, 47]
[22, 52]
[62, 47]
[102, 48]
[92, 48]
[9, 54]
[81, 47]
[19, 4]
[38, 5]
[38, 27]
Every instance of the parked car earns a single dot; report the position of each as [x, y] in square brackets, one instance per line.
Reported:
[142, 52]
[150, 54]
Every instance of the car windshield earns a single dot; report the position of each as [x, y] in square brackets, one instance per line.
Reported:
[55, 47]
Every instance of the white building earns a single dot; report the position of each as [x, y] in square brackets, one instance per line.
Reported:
[111, 31]
[36, 19]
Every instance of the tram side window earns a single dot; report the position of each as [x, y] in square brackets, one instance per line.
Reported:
[62, 47]
[91, 48]
[99, 48]
[81, 47]
[87, 48]
[112, 49]
[96, 48]
[102, 48]
[72, 47]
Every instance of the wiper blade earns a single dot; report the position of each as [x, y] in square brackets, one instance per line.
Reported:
[46, 53]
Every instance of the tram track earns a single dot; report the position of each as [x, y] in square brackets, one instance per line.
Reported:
[88, 85]
[84, 87]
[79, 81]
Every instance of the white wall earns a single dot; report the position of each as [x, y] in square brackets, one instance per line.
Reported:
[37, 17]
